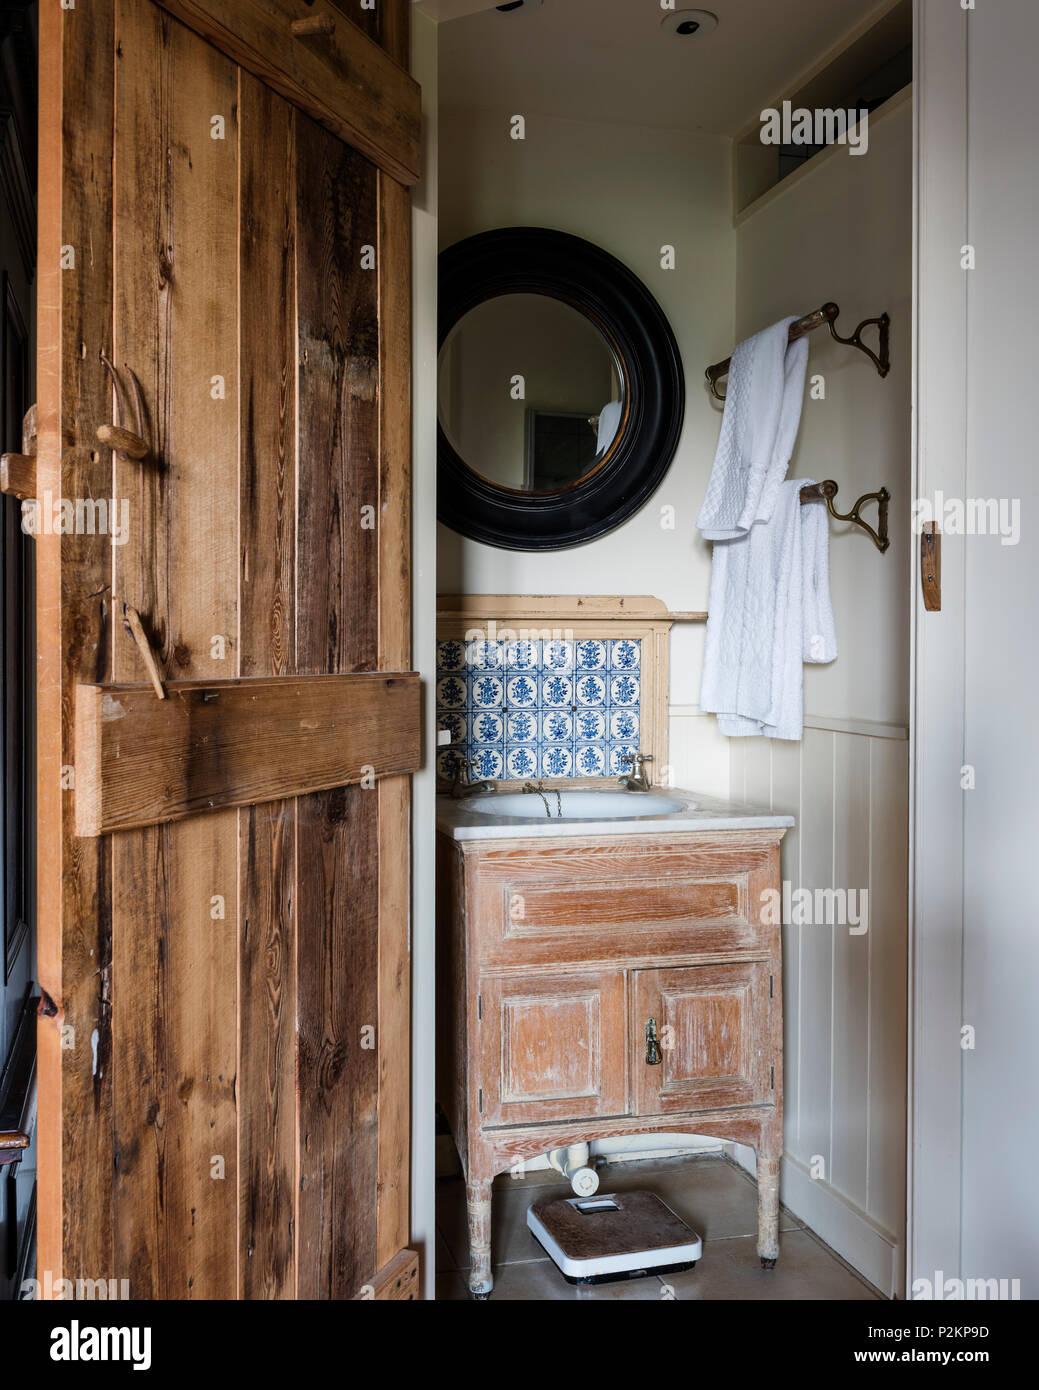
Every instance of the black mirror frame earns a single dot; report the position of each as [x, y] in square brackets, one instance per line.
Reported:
[537, 260]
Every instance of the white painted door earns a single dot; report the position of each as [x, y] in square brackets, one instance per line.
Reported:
[975, 959]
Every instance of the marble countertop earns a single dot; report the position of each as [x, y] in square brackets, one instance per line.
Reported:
[457, 819]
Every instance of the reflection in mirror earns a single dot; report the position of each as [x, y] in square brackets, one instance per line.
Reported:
[531, 394]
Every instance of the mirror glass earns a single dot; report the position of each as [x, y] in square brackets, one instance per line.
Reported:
[531, 394]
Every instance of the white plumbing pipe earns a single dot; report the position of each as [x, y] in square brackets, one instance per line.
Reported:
[574, 1164]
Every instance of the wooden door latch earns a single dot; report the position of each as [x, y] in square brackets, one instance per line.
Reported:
[126, 443]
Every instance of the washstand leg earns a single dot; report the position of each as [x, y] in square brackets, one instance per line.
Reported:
[768, 1208]
[478, 1199]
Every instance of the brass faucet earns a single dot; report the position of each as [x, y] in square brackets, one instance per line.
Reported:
[462, 786]
[637, 780]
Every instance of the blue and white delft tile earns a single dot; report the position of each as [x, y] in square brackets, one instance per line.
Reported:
[522, 692]
[451, 655]
[521, 725]
[557, 760]
[538, 708]
[489, 762]
[448, 763]
[557, 726]
[590, 656]
[557, 655]
[452, 693]
[624, 690]
[620, 758]
[557, 692]
[590, 725]
[523, 655]
[485, 656]
[624, 725]
[521, 760]
[625, 654]
[590, 760]
[487, 727]
[590, 689]
[486, 691]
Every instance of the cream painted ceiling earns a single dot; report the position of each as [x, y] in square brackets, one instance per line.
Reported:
[610, 60]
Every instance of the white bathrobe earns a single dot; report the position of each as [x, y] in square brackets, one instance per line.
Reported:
[768, 613]
[769, 607]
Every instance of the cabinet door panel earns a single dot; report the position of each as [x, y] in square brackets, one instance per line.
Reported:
[553, 1047]
[713, 1025]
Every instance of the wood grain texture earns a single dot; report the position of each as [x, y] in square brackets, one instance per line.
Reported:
[145, 761]
[267, 951]
[394, 653]
[342, 79]
[552, 1047]
[175, 964]
[18, 475]
[337, 541]
[267, 390]
[713, 1024]
[396, 1281]
[338, 631]
[72, 635]
[267, 970]
[337, 857]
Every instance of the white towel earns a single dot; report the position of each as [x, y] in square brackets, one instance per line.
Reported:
[762, 412]
[768, 612]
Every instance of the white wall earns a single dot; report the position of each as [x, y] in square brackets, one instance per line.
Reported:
[423, 600]
[630, 190]
[841, 229]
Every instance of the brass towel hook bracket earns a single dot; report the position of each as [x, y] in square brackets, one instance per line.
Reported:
[126, 443]
[828, 314]
[826, 491]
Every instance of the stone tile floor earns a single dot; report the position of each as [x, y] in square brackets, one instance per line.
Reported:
[716, 1197]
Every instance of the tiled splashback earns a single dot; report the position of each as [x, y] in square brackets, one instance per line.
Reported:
[539, 708]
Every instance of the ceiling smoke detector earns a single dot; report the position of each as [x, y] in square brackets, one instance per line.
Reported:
[513, 6]
[689, 23]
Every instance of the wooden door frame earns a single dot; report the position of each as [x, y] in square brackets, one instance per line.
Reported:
[937, 646]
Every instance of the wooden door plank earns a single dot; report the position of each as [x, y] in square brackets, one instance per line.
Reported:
[338, 1062]
[338, 630]
[343, 80]
[267, 1051]
[394, 653]
[267, 833]
[73, 574]
[145, 761]
[175, 243]
[338, 535]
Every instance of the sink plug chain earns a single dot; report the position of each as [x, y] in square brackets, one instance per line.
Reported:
[530, 787]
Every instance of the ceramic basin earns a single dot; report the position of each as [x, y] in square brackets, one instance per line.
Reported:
[576, 805]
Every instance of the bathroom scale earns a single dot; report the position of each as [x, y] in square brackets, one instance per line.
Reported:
[616, 1235]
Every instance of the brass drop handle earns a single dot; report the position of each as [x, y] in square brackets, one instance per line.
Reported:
[654, 1056]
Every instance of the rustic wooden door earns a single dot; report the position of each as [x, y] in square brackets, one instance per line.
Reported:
[226, 717]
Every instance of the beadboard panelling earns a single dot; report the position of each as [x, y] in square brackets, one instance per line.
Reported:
[844, 995]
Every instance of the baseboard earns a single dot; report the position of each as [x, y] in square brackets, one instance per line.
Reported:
[878, 1255]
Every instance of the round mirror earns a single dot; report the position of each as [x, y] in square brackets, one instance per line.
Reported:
[560, 390]
[531, 393]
